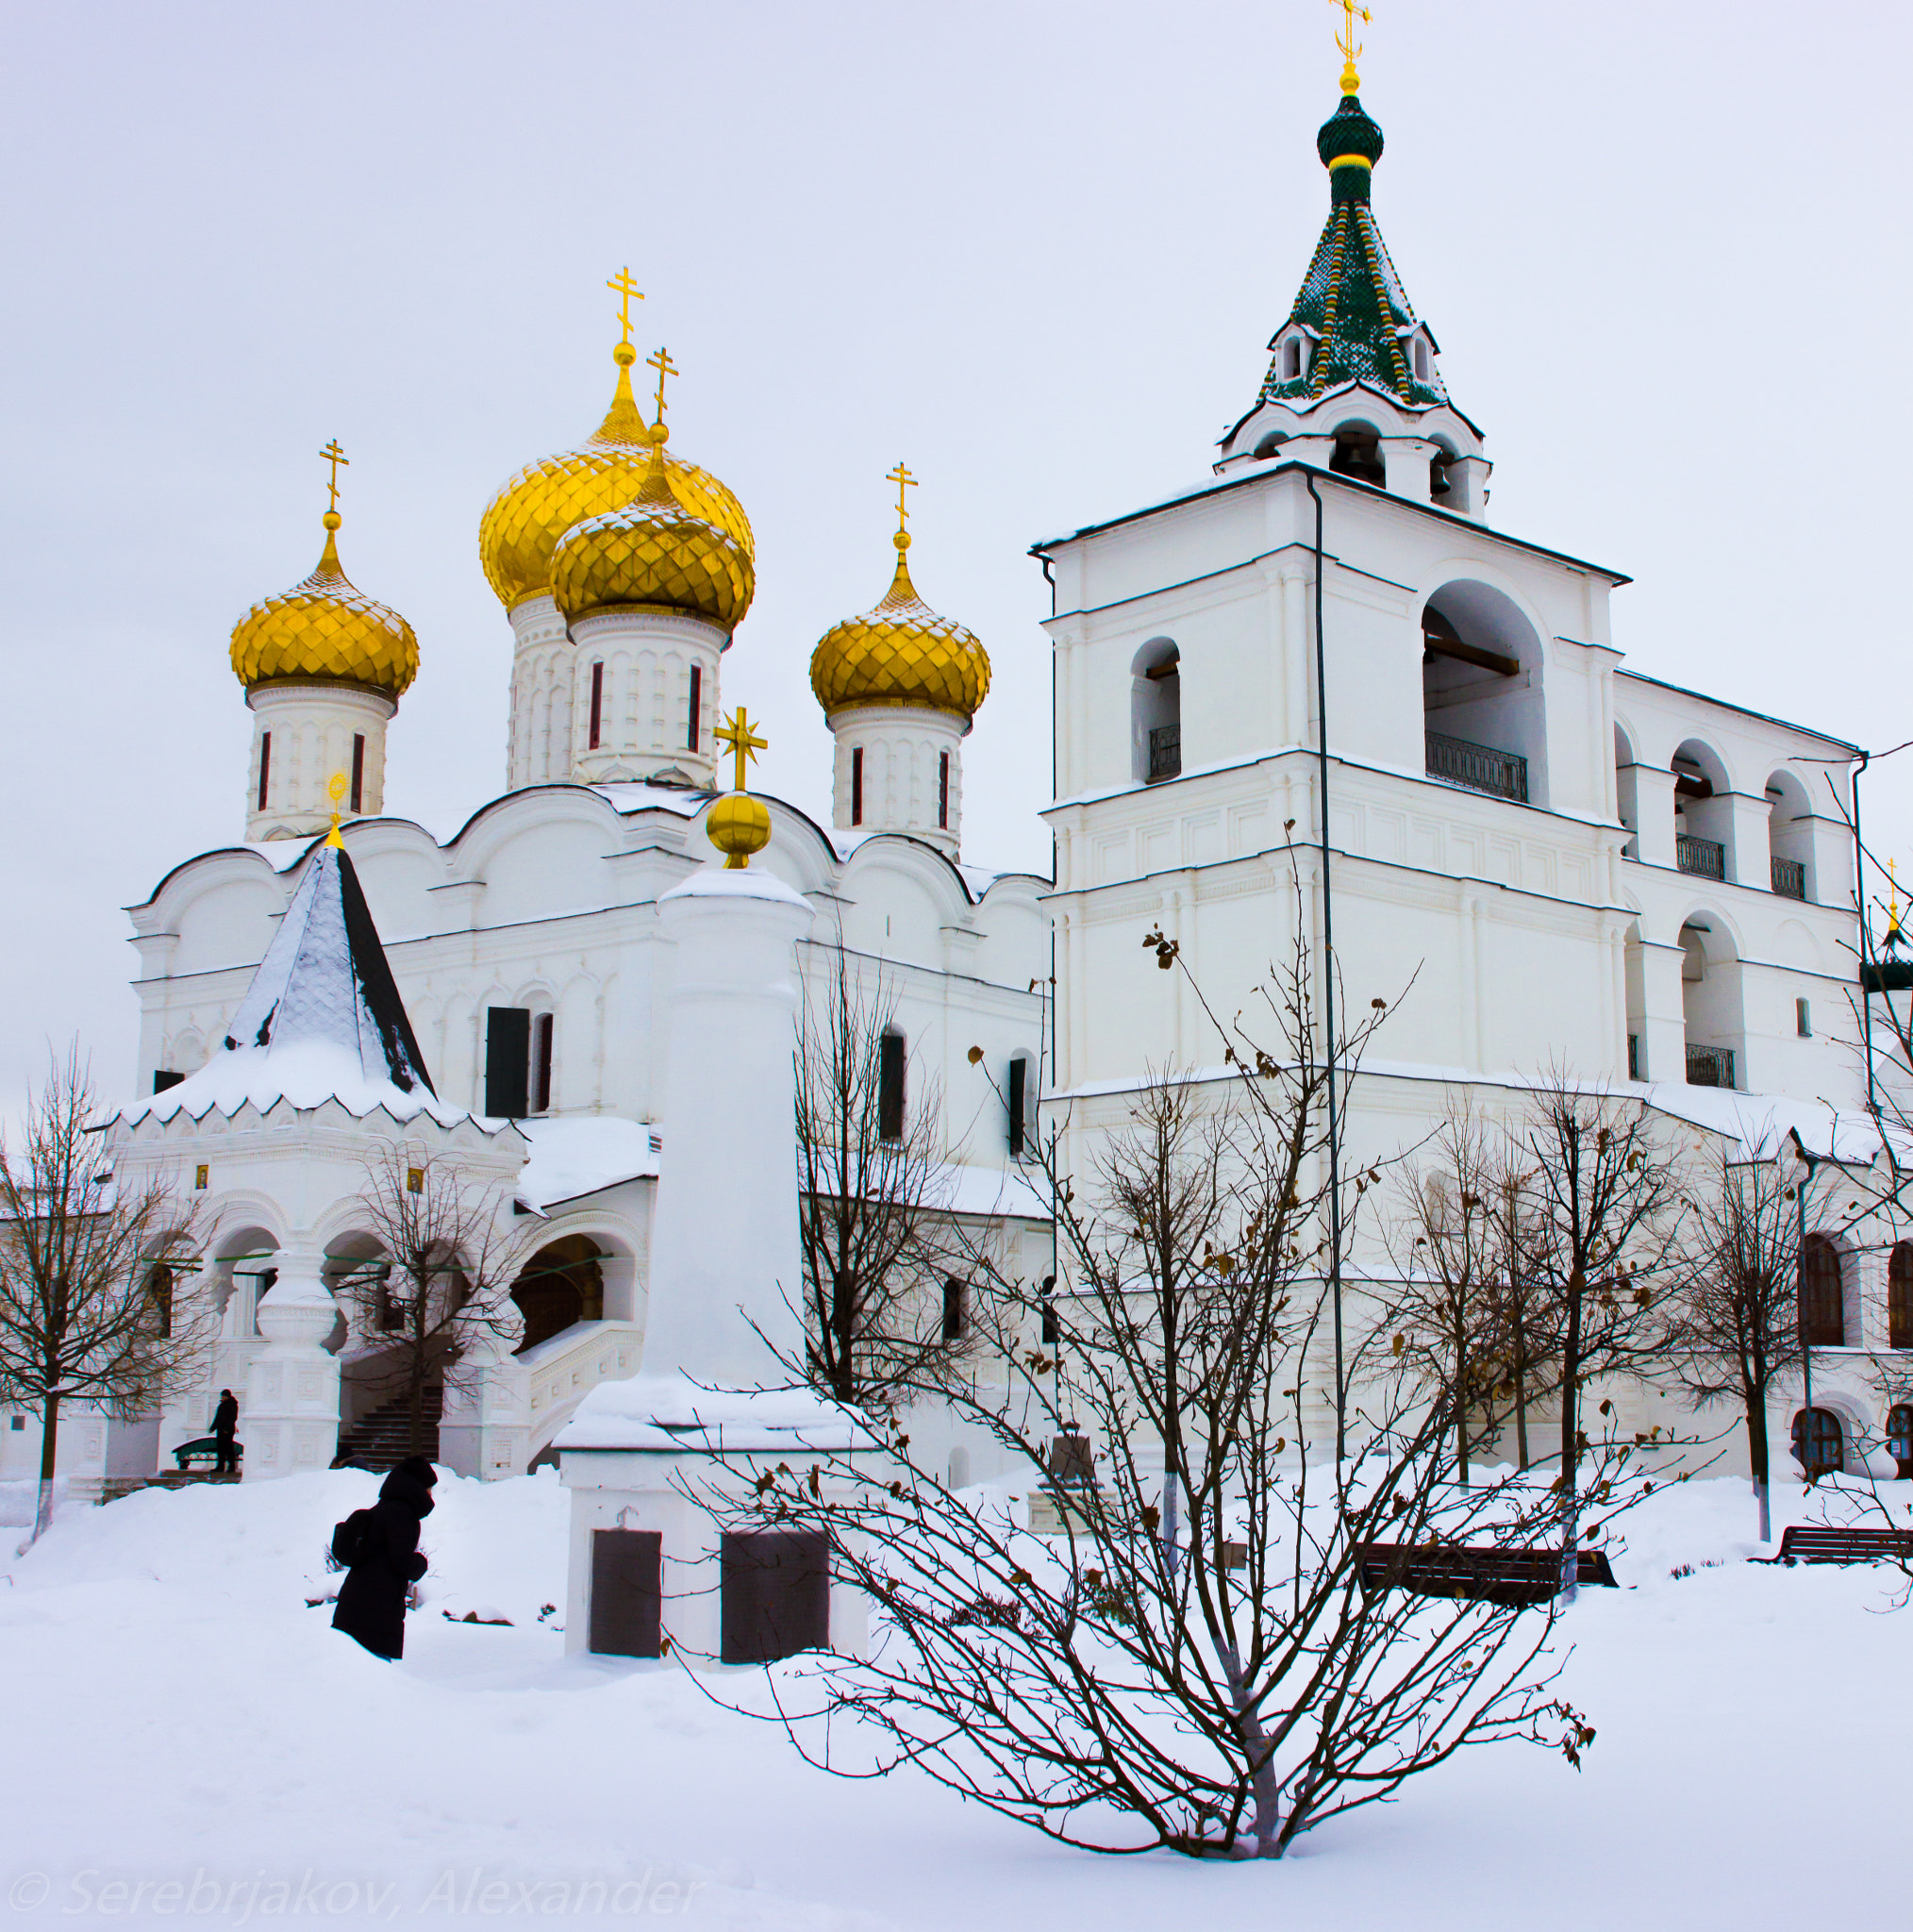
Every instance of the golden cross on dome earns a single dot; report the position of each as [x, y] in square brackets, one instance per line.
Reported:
[1351, 47]
[622, 286]
[744, 743]
[905, 481]
[335, 455]
[664, 366]
[1893, 899]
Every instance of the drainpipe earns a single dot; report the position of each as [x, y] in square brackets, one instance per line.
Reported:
[1328, 999]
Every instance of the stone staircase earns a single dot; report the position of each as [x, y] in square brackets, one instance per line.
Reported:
[382, 1438]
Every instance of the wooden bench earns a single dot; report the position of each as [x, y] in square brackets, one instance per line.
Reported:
[1483, 1575]
[1810, 1543]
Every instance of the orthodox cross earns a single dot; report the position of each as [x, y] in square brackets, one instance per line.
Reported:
[335, 455]
[744, 743]
[1345, 39]
[664, 366]
[622, 286]
[905, 481]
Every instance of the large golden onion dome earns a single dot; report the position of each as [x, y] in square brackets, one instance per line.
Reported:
[654, 553]
[902, 653]
[523, 522]
[324, 631]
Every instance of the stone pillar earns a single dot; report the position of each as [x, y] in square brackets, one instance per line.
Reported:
[1654, 830]
[486, 1429]
[539, 741]
[1663, 1024]
[290, 1423]
[1467, 488]
[1407, 459]
[1749, 850]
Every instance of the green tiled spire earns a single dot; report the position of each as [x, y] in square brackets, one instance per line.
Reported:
[1351, 299]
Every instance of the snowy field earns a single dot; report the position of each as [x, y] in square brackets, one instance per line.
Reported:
[186, 1739]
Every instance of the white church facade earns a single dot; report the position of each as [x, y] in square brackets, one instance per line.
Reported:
[1323, 664]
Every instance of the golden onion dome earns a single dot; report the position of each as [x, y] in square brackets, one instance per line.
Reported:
[326, 631]
[902, 653]
[525, 521]
[654, 553]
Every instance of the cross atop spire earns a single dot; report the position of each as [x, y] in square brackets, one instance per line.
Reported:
[627, 290]
[905, 482]
[743, 741]
[1351, 47]
[335, 455]
[663, 364]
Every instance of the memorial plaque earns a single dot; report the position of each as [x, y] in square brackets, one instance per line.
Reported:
[776, 1594]
[628, 1592]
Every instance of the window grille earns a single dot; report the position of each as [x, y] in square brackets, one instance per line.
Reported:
[1165, 751]
[1822, 1317]
[1710, 1066]
[1790, 877]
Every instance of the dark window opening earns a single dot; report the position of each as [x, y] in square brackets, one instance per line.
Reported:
[943, 791]
[1052, 1327]
[956, 1312]
[1358, 454]
[159, 1301]
[358, 771]
[392, 1308]
[1822, 1317]
[774, 1587]
[1291, 359]
[542, 1064]
[598, 704]
[1156, 711]
[1019, 1101]
[507, 1061]
[696, 705]
[1899, 1296]
[628, 1592]
[165, 1078]
[1803, 1019]
[1900, 1438]
[265, 766]
[857, 784]
[1819, 1446]
[891, 1087]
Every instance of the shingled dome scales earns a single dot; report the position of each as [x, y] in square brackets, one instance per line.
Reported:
[325, 978]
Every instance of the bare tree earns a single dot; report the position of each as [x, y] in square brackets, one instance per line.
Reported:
[871, 1201]
[1735, 1330]
[1528, 1314]
[1607, 1197]
[443, 1279]
[1444, 1307]
[1217, 1689]
[90, 1309]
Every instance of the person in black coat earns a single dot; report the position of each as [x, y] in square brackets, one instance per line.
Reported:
[225, 1425]
[381, 1548]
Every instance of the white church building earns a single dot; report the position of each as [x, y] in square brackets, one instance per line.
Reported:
[1322, 660]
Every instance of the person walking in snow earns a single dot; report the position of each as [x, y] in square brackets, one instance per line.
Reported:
[225, 1425]
[381, 1549]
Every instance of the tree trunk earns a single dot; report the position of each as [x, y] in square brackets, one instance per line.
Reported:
[1757, 1457]
[49, 1439]
[1571, 1411]
[1262, 1779]
[1521, 1389]
[1461, 1412]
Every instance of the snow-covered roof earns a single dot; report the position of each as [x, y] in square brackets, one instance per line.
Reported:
[571, 1159]
[322, 1019]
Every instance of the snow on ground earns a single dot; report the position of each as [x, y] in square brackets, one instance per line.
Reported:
[176, 1718]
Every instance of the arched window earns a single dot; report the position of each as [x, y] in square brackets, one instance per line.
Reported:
[890, 1052]
[1899, 1296]
[1823, 1318]
[1018, 1097]
[955, 1311]
[1358, 454]
[1481, 694]
[1421, 358]
[159, 1301]
[562, 1284]
[1291, 359]
[1900, 1437]
[1156, 711]
[1703, 814]
[541, 1031]
[597, 718]
[1819, 1445]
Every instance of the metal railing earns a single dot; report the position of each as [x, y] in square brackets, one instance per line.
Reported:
[1501, 774]
[1165, 751]
[1706, 857]
[1790, 877]
[1710, 1066]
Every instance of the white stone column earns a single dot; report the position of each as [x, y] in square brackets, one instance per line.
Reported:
[1663, 1020]
[302, 733]
[1406, 459]
[1654, 831]
[290, 1423]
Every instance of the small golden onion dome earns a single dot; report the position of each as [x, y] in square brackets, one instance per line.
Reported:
[902, 653]
[737, 824]
[654, 553]
[326, 631]
[523, 522]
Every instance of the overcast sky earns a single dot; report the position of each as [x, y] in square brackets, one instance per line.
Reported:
[1036, 249]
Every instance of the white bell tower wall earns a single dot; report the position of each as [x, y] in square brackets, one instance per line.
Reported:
[644, 697]
[304, 735]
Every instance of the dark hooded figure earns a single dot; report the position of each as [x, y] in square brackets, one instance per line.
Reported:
[225, 1425]
[380, 1547]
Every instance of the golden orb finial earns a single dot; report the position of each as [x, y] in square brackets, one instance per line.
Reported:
[738, 824]
[336, 789]
[1351, 47]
